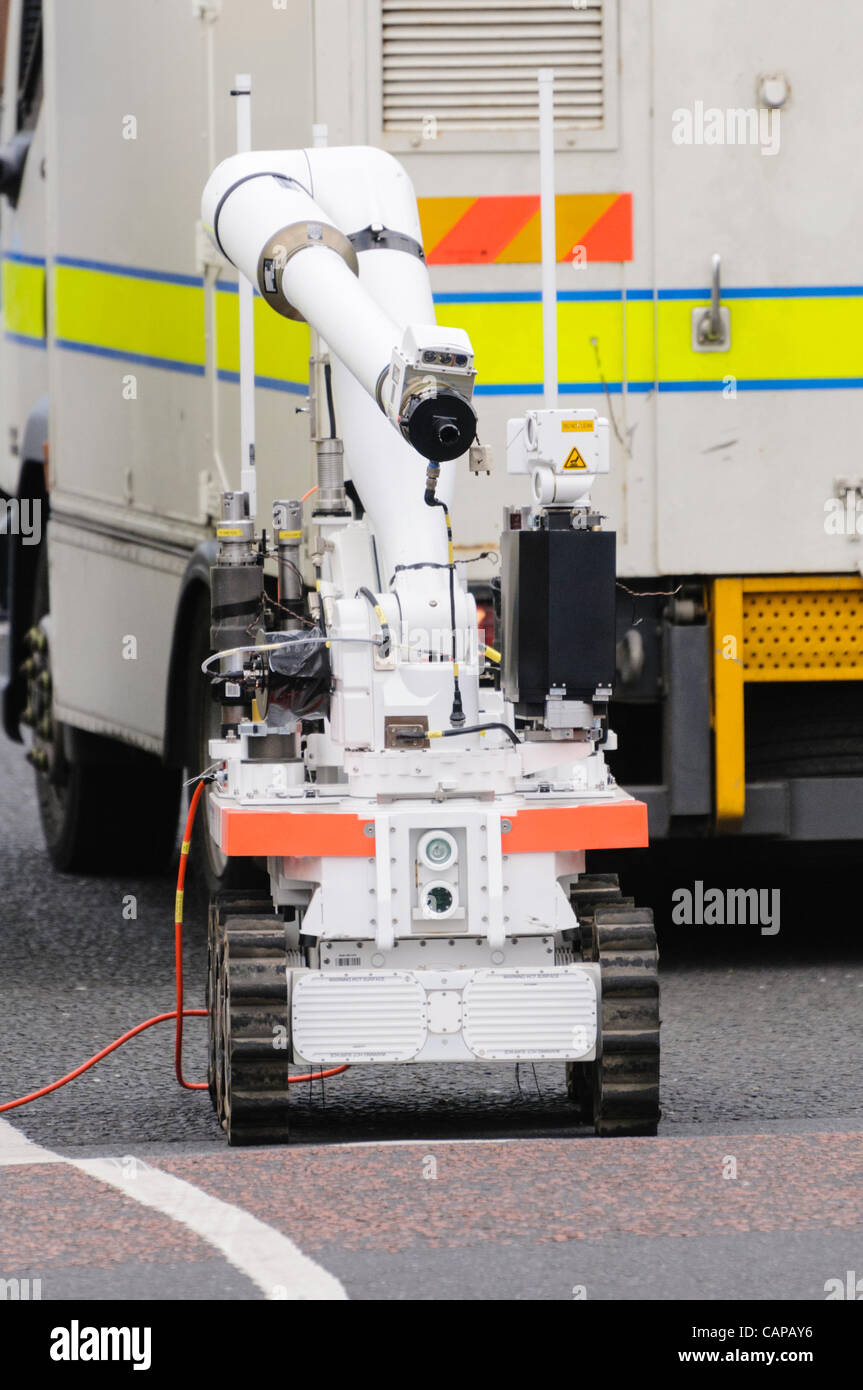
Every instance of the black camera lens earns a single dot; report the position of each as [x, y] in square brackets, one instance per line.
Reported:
[447, 432]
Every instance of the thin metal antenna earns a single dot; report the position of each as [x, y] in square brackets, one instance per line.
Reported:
[549, 237]
[242, 92]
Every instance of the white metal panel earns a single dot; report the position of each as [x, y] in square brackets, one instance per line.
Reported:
[112, 618]
[438, 1014]
[133, 462]
[23, 365]
[350, 1016]
[489, 162]
[743, 475]
[530, 1013]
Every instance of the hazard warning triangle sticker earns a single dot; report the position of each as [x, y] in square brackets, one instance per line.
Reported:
[574, 460]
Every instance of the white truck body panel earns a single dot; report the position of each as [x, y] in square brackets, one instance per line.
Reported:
[700, 482]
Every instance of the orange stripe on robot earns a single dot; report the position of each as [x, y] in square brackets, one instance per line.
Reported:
[309, 834]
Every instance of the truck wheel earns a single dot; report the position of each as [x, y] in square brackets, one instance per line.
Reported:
[213, 869]
[249, 1021]
[104, 806]
[619, 1092]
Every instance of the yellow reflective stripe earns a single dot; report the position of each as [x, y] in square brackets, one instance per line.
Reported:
[281, 345]
[152, 318]
[129, 315]
[769, 338]
[579, 323]
[506, 339]
[24, 299]
[772, 339]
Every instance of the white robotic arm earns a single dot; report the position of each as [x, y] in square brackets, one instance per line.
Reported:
[260, 212]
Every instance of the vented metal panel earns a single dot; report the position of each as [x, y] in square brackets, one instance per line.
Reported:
[530, 1014]
[814, 633]
[471, 65]
[358, 1016]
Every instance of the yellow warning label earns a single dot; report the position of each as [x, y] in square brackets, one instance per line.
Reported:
[574, 460]
[572, 426]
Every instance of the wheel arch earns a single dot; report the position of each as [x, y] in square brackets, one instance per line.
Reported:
[194, 585]
[22, 561]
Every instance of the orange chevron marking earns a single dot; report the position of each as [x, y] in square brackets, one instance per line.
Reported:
[484, 231]
[439, 215]
[610, 237]
[506, 230]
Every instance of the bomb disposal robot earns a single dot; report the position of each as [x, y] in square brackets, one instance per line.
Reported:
[424, 818]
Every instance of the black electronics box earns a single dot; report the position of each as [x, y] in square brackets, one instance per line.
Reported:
[558, 601]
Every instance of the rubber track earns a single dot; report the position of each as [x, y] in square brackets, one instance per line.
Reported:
[620, 1091]
[247, 982]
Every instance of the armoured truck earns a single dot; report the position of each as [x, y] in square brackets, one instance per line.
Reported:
[697, 313]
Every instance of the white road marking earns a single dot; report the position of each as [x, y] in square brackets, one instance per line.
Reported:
[267, 1257]
[419, 1143]
[15, 1147]
[273, 1262]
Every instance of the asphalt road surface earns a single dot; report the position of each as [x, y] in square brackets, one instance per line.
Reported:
[430, 1182]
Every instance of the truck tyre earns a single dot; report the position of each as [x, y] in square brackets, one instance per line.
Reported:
[214, 870]
[104, 807]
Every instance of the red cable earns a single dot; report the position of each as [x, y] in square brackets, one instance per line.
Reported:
[306, 495]
[178, 943]
[179, 1013]
[85, 1066]
[319, 1075]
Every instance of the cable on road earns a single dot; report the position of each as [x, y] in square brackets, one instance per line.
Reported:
[179, 1012]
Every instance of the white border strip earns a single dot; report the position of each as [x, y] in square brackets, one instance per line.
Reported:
[269, 1259]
